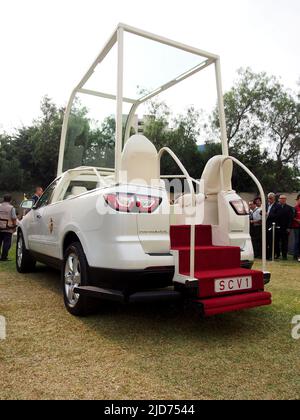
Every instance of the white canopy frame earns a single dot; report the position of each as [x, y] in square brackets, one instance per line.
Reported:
[118, 38]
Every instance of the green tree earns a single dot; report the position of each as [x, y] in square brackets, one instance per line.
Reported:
[77, 138]
[11, 174]
[47, 140]
[180, 135]
[263, 128]
[244, 104]
[37, 145]
[282, 121]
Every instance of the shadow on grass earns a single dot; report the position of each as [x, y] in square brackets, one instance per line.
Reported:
[124, 323]
[153, 329]
[178, 324]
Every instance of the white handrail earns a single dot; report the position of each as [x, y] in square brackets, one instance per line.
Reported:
[192, 191]
[263, 201]
[191, 180]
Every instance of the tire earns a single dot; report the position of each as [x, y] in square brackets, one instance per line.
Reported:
[74, 273]
[25, 263]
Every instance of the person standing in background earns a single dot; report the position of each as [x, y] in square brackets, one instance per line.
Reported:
[296, 229]
[255, 228]
[251, 209]
[272, 216]
[36, 196]
[8, 221]
[258, 202]
[285, 218]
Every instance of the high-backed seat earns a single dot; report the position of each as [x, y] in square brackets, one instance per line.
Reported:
[212, 175]
[212, 183]
[139, 162]
[77, 190]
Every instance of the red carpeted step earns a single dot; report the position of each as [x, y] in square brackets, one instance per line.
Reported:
[235, 303]
[181, 236]
[207, 280]
[208, 257]
[223, 285]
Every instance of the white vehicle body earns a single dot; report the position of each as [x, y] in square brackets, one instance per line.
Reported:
[130, 250]
[116, 240]
[110, 239]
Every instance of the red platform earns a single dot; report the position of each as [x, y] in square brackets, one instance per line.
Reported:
[213, 263]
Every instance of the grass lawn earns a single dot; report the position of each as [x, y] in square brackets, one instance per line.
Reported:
[149, 352]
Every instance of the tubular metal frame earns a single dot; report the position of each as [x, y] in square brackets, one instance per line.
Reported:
[190, 181]
[118, 38]
[263, 203]
[193, 195]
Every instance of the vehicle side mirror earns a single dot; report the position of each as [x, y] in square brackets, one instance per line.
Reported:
[27, 204]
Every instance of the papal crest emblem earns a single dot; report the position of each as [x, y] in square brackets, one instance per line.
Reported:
[51, 225]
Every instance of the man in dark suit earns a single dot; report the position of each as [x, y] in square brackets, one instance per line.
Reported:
[272, 217]
[36, 196]
[285, 216]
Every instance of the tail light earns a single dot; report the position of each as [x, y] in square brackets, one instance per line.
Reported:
[121, 202]
[132, 203]
[240, 207]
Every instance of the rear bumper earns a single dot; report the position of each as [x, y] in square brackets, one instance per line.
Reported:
[214, 306]
[247, 264]
[129, 281]
[267, 277]
[165, 295]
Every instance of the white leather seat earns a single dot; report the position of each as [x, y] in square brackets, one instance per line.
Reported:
[212, 187]
[139, 163]
[77, 190]
[212, 178]
[185, 200]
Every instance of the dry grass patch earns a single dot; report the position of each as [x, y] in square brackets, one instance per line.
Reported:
[145, 352]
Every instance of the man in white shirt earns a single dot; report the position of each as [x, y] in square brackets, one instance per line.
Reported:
[8, 220]
[255, 228]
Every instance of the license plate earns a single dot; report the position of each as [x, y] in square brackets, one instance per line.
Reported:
[233, 284]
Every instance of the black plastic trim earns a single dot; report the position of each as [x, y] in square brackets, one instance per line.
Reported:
[247, 264]
[267, 277]
[132, 280]
[138, 297]
[46, 259]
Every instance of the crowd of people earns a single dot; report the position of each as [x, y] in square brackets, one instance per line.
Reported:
[283, 220]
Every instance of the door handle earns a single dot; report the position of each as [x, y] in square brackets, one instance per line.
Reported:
[38, 216]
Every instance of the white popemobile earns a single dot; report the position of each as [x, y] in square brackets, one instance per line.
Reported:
[115, 233]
